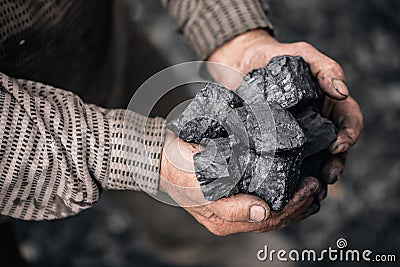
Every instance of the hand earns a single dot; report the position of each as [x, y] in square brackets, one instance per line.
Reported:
[255, 49]
[238, 213]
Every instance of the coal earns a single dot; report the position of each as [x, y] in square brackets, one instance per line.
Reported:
[248, 158]
[289, 134]
[261, 139]
[271, 127]
[319, 131]
[213, 175]
[289, 82]
[195, 130]
[277, 183]
[206, 114]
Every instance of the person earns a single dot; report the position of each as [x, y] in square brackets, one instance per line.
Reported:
[58, 153]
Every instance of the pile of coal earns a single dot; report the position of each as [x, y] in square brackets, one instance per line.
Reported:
[260, 139]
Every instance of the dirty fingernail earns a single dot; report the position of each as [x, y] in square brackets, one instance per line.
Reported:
[339, 148]
[334, 176]
[340, 87]
[333, 147]
[257, 213]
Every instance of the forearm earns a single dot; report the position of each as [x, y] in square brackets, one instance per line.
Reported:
[58, 154]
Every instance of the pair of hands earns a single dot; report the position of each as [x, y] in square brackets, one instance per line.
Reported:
[246, 213]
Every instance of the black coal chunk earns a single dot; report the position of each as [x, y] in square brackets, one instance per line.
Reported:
[288, 82]
[273, 178]
[278, 180]
[289, 134]
[252, 88]
[247, 159]
[195, 130]
[319, 131]
[206, 115]
[260, 139]
[213, 175]
[269, 126]
[219, 169]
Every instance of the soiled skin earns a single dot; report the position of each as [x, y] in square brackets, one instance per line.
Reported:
[245, 213]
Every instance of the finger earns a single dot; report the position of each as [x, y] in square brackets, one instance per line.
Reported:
[286, 218]
[241, 208]
[297, 215]
[212, 222]
[218, 226]
[332, 170]
[324, 191]
[348, 117]
[314, 207]
[221, 227]
[277, 220]
[329, 74]
[308, 187]
[331, 85]
[212, 217]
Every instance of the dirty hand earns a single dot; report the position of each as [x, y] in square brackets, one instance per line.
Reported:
[238, 213]
[254, 49]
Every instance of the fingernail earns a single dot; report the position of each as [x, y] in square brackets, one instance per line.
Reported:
[314, 188]
[342, 148]
[334, 176]
[340, 87]
[257, 213]
[339, 148]
[333, 147]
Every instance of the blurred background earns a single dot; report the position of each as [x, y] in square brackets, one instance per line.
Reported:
[132, 229]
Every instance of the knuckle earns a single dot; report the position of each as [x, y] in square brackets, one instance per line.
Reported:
[232, 213]
[303, 46]
[351, 135]
[311, 183]
[315, 186]
[214, 219]
[334, 67]
[298, 196]
[309, 186]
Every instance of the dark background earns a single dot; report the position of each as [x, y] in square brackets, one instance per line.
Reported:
[132, 229]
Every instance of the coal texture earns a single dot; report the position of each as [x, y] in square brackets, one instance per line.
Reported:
[256, 139]
[277, 184]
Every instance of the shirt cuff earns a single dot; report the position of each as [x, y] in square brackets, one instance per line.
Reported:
[215, 22]
[136, 149]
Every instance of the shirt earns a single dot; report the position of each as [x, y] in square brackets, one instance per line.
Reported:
[58, 153]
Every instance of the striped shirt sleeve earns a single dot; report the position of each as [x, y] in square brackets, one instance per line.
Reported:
[57, 154]
[207, 24]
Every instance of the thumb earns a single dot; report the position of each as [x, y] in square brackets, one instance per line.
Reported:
[329, 73]
[241, 208]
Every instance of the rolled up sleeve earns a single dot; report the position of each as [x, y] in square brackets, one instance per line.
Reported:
[207, 24]
[57, 153]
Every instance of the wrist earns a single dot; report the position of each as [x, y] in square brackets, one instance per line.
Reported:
[162, 186]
